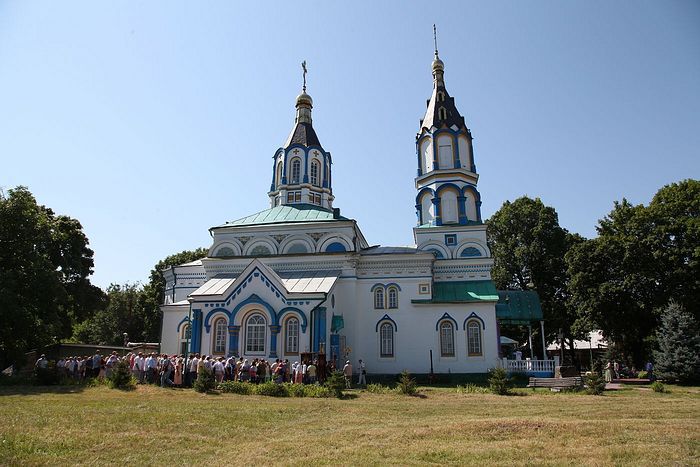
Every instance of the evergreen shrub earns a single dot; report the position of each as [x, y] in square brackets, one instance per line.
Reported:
[336, 383]
[121, 377]
[499, 383]
[205, 381]
[595, 384]
[678, 357]
[407, 385]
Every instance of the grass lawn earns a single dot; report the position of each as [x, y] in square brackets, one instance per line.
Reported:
[99, 426]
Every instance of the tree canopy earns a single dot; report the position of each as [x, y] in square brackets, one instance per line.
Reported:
[528, 246]
[45, 264]
[642, 258]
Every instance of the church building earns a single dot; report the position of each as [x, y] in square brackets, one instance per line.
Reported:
[300, 279]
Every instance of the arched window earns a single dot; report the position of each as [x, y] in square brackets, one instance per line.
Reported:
[447, 339]
[185, 338]
[296, 170]
[379, 298]
[442, 113]
[336, 247]
[448, 207]
[386, 340]
[255, 334]
[291, 336]
[260, 250]
[473, 339]
[314, 172]
[225, 251]
[279, 173]
[393, 298]
[440, 96]
[470, 252]
[219, 341]
[297, 248]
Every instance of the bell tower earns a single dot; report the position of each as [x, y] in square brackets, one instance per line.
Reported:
[446, 179]
[301, 171]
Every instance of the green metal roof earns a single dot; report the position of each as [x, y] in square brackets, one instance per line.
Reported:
[285, 214]
[462, 292]
[518, 307]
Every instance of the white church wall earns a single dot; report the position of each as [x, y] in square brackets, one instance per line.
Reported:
[170, 338]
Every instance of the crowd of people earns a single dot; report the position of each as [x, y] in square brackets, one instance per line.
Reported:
[180, 371]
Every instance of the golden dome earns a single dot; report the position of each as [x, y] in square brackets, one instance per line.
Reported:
[304, 99]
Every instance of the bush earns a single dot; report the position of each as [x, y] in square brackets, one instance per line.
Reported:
[315, 390]
[377, 389]
[121, 377]
[471, 388]
[499, 383]
[658, 386]
[295, 390]
[642, 375]
[47, 376]
[271, 389]
[205, 381]
[595, 384]
[236, 387]
[336, 383]
[407, 385]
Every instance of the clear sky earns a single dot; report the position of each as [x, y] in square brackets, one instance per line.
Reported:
[151, 121]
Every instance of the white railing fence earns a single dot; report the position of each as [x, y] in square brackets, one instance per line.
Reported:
[528, 366]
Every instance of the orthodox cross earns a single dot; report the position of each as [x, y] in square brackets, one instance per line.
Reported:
[296, 151]
[303, 67]
[435, 39]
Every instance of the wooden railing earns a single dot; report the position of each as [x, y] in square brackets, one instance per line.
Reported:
[528, 366]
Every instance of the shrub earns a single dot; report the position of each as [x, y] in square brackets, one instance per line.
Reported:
[336, 383]
[471, 388]
[658, 386]
[377, 389]
[499, 383]
[295, 390]
[315, 390]
[236, 387]
[595, 384]
[407, 385]
[205, 381]
[642, 375]
[47, 376]
[121, 377]
[271, 389]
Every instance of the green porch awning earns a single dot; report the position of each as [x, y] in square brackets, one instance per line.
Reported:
[518, 307]
[462, 292]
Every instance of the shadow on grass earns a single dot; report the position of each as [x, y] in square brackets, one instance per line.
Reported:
[33, 390]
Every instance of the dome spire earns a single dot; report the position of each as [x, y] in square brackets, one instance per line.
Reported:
[304, 101]
[438, 66]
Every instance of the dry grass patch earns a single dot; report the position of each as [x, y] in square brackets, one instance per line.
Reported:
[160, 426]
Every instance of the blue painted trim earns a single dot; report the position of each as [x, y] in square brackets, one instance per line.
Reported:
[258, 301]
[292, 310]
[447, 317]
[186, 319]
[207, 325]
[376, 286]
[393, 284]
[476, 317]
[196, 331]
[385, 318]
[444, 186]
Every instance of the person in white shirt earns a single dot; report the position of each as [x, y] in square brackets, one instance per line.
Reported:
[219, 370]
[361, 380]
[151, 368]
[192, 370]
[139, 368]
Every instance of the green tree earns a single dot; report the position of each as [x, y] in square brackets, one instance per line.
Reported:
[45, 263]
[528, 246]
[642, 258]
[678, 355]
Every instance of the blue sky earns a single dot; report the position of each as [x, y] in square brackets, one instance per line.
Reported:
[152, 121]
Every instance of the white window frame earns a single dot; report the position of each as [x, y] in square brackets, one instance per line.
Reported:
[392, 298]
[379, 299]
[387, 347]
[218, 339]
[295, 171]
[250, 347]
[291, 336]
[447, 339]
[474, 339]
[314, 173]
